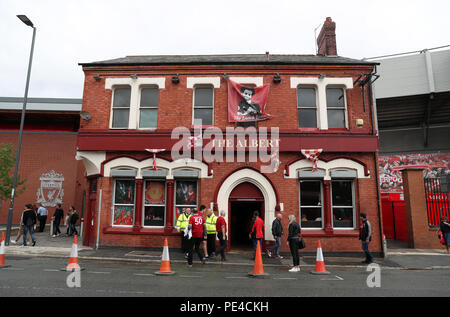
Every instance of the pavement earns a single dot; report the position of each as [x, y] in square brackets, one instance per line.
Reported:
[398, 256]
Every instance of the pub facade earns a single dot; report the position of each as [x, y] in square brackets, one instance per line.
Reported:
[237, 133]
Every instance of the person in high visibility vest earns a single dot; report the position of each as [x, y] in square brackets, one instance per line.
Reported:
[182, 223]
[211, 231]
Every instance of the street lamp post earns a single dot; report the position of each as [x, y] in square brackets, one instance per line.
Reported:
[27, 21]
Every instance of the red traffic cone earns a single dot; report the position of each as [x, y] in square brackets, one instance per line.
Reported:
[2, 251]
[73, 259]
[320, 264]
[258, 270]
[165, 261]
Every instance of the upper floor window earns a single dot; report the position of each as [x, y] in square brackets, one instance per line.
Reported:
[148, 108]
[121, 107]
[336, 108]
[306, 108]
[204, 105]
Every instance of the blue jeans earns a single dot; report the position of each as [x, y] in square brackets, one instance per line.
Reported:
[255, 244]
[276, 246]
[25, 231]
[365, 247]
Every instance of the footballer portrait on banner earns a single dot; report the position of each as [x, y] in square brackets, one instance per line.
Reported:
[247, 103]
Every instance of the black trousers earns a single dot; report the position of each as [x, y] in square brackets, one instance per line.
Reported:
[223, 245]
[194, 243]
[42, 221]
[56, 226]
[211, 243]
[184, 243]
[293, 245]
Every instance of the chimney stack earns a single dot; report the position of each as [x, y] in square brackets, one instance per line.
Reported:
[326, 41]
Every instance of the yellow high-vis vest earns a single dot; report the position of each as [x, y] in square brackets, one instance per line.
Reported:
[182, 221]
[211, 224]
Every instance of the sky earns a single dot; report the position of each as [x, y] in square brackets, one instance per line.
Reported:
[70, 32]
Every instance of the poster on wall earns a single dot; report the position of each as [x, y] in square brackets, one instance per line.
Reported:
[123, 215]
[247, 103]
[434, 165]
[155, 193]
[186, 193]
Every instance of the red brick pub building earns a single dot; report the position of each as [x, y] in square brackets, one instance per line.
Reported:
[317, 101]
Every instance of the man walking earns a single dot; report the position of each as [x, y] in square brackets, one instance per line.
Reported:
[257, 232]
[182, 223]
[365, 235]
[28, 222]
[42, 216]
[211, 220]
[198, 227]
[73, 221]
[277, 232]
[57, 216]
[221, 228]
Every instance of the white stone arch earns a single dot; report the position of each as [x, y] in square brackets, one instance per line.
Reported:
[188, 163]
[128, 162]
[257, 179]
[92, 160]
[336, 164]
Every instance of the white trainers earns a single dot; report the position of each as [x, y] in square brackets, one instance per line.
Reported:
[54, 236]
[294, 269]
[13, 242]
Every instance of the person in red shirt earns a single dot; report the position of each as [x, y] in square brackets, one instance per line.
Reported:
[198, 227]
[257, 232]
[221, 228]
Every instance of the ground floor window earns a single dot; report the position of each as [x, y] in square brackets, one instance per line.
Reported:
[311, 206]
[154, 203]
[123, 208]
[343, 206]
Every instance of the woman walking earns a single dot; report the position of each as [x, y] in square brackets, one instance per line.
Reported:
[292, 242]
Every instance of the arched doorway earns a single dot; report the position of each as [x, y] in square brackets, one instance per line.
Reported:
[244, 199]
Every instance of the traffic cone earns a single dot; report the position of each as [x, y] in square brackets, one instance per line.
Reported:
[165, 262]
[73, 265]
[258, 270]
[320, 264]
[2, 251]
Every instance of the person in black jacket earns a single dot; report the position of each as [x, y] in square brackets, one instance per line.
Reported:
[292, 241]
[73, 221]
[57, 216]
[28, 222]
[445, 229]
[277, 232]
[365, 235]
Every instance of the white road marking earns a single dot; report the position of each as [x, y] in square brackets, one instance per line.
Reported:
[13, 269]
[51, 270]
[337, 278]
[284, 278]
[143, 274]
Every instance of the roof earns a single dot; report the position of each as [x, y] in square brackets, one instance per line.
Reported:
[230, 59]
[41, 104]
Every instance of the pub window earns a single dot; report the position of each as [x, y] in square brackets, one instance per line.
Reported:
[311, 206]
[306, 108]
[204, 104]
[336, 107]
[121, 108]
[342, 192]
[185, 195]
[123, 208]
[154, 203]
[148, 108]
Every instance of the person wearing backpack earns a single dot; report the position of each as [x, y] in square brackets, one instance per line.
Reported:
[28, 222]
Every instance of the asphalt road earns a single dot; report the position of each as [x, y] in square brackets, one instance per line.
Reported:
[43, 277]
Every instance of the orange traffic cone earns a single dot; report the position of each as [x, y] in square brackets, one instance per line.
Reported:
[258, 270]
[165, 262]
[320, 264]
[73, 259]
[2, 251]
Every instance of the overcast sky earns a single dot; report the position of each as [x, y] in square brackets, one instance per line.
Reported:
[69, 32]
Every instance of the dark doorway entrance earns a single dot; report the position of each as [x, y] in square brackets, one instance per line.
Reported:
[244, 200]
[241, 219]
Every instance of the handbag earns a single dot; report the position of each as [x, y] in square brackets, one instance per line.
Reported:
[301, 243]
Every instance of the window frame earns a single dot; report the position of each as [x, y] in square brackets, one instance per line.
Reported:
[139, 108]
[316, 92]
[347, 207]
[300, 180]
[150, 205]
[196, 86]
[114, 202]
[111, 118]
[344, 90]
